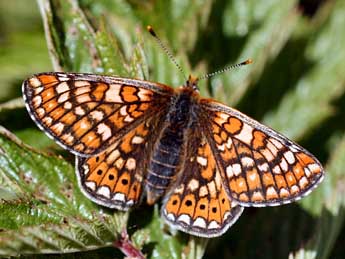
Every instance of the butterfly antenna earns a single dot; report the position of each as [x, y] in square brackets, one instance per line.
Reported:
[166, 50]
[246, 62]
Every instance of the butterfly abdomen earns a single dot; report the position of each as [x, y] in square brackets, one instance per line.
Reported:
[167, 151]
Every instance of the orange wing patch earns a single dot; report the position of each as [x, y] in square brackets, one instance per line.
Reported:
[114, 178]
[198, 203]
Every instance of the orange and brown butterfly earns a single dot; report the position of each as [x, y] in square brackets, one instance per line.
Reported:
[134, 138]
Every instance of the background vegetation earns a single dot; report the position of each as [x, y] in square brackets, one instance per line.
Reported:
[296, 85]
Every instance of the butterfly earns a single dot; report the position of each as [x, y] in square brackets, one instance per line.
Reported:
[134, 138]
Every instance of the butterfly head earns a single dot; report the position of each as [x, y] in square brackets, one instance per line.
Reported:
[192, 82]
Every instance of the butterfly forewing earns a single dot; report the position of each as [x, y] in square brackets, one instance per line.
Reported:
[198, 203]
[87, 113]
[259, 166]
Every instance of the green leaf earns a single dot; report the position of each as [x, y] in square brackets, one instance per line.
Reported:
[38, 140]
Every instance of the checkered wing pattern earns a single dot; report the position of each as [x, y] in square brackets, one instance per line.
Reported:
[259, 166]
[198, 203]
[115, 177]
[205, 159]
[88, 113]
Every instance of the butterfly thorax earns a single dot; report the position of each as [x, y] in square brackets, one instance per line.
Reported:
[169, 148]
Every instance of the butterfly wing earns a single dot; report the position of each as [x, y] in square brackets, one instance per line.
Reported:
[198, 203]
[88, 113]
[115, 177]
[259, 166]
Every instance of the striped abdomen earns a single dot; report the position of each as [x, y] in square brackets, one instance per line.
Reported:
[166, 155]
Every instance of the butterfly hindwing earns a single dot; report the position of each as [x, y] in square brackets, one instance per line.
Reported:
[115, 177]
[198, 203]
[259, 166]
[87, 113]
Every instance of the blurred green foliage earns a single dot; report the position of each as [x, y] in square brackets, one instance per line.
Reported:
[296, 85]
